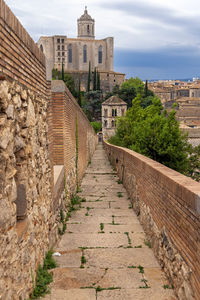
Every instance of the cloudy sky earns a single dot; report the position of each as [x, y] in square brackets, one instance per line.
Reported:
[154, 39]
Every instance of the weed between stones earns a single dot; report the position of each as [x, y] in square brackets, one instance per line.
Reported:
[75, 204]
[119, 181]
[166, 286]
[141, 269]
[145, 286]
[129, 240]
[43, 277]
[83, 259]
[147, 243]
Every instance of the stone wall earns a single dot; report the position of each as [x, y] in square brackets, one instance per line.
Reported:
[74, 138]
[168, 206]
[28, 193]
[25, 188]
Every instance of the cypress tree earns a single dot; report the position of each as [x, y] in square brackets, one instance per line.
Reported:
[146, 89]
[95, 80]
[63, 73]
[79, 91]
[98, 82]
[89, 78]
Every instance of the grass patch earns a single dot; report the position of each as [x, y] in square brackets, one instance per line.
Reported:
[130, 206]
[145, 286]
[101, 226]
[43, 277]
[83, 259]
[99, 289]
[119, 194]
[147, 243]
[139, 246]
[119, 181]
[166, 286]
[129, 240]
[141, 269]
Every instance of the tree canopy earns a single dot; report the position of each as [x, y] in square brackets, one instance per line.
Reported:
[154, 133]
[132, 88]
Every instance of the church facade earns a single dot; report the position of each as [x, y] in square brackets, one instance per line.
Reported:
[76, 53]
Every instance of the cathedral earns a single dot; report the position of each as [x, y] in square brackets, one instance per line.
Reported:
[75, 54]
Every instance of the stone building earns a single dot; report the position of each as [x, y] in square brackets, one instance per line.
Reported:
[111, 108]
[76, 53]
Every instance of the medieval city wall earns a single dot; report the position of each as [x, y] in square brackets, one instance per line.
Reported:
[28, 193]
[168, 206]
[74, 138]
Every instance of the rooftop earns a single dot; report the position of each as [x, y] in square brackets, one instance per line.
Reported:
[114, 100]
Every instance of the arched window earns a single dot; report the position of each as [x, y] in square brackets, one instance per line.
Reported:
[105, 123]
[100, 54]
[70, 53]
[41, 48]
[113, 123]
[84, 53]
[88, 28]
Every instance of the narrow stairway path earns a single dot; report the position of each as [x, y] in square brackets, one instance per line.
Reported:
[104, 253]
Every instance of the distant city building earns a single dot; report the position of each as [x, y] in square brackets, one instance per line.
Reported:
[112, 108]
[76, 53]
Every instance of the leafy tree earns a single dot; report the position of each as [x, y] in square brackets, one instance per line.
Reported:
[92, 105]
[67, 78]
[134, 83]
[194, 162]
[69, 81]
[154, 133]
[96, 126]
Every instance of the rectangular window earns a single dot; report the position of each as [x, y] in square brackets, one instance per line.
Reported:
[63, 41]
[63, 53]
[58, 48]
[58, 53]
[63, 48]
[58, 41]
[63, 59]
[58, 58]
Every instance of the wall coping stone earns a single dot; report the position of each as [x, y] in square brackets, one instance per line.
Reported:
[180, 184]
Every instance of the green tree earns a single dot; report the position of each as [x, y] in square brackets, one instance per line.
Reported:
[92, 105]
[79, 91]
[96, 126]
[67, 78]
[89, 77]
[63, 72]
[95, 80]
[98, 81]
[69, 81]
[154, 133]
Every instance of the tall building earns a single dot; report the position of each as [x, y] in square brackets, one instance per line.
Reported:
[76, 53]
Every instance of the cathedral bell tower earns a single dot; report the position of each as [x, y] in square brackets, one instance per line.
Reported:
[86, 26]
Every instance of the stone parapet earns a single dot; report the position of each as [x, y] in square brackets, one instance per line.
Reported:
[168, 206]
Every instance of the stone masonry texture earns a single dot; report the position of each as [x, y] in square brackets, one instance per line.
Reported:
[30, 201]
[104, 254]
[167, 204]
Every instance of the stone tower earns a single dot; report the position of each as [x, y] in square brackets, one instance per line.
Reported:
[86, 26]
